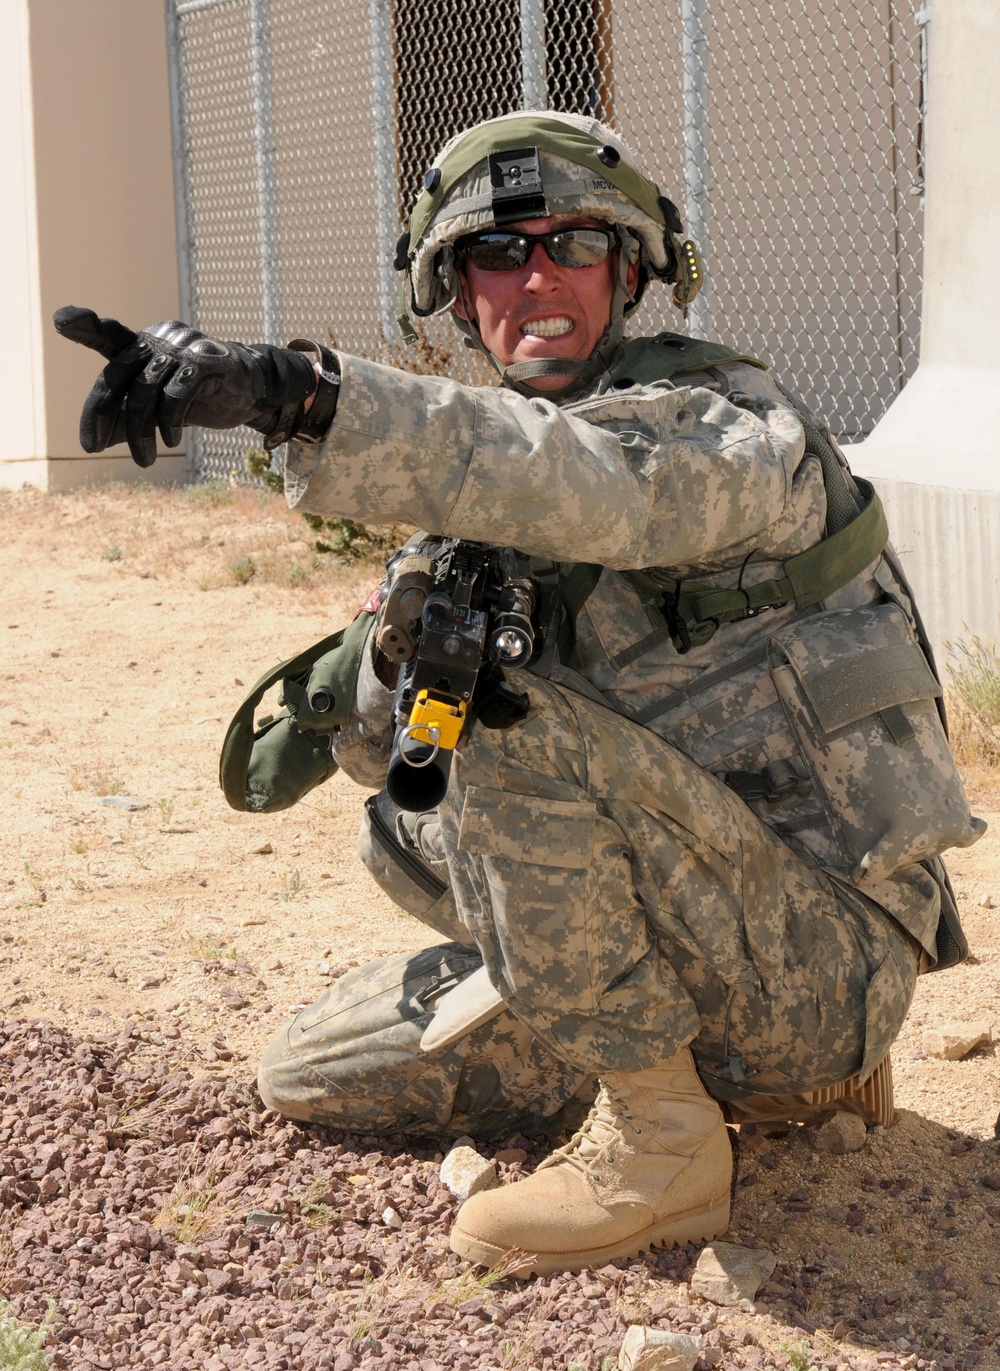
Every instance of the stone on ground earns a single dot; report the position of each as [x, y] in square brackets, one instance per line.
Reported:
[465, 1173]
[656, 1349]
[953, 1041]
[731, 1275]
[840, 1134]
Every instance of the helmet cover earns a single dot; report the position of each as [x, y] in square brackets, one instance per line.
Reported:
[533, 165]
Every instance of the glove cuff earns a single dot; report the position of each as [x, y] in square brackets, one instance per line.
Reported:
[313, 426]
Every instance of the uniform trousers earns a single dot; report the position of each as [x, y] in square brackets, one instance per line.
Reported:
[625, 903]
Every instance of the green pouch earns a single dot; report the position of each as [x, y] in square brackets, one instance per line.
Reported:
[269, 768]
[286, 762]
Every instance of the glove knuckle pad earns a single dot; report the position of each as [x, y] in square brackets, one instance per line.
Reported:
[167, 329]
[208, 347]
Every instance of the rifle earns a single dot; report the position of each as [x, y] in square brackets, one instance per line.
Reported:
[455, 614]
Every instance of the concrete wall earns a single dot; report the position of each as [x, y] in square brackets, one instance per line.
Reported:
[935, 457]
[86, 164]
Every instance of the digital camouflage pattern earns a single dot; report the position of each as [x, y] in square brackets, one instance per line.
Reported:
[599, 956]
[353, 1059]
[707, 479]
[650, 476]
[801, 1027]
[861, 700]
[624, 900]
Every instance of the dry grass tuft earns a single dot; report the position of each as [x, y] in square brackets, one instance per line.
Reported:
[973, 689]
[194, 1208]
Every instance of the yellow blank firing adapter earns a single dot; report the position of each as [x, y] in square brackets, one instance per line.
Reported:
[433, 709]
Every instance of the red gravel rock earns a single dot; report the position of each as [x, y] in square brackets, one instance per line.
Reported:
[175, 1223]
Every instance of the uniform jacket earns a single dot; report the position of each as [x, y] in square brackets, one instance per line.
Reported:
[707, 476]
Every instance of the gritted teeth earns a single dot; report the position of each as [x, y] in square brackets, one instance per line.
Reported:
[547, 328]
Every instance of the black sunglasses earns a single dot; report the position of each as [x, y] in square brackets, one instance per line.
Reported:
[568, 247]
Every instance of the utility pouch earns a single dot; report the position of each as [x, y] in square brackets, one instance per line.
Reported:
[270, 767]
[390, 853]
[285, 763]
[860, 699]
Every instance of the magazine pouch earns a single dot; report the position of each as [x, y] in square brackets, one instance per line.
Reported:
[860, 698]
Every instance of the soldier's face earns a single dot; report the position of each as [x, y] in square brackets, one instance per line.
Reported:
[541, 309]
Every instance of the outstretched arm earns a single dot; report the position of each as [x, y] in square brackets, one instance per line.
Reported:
[652, 476]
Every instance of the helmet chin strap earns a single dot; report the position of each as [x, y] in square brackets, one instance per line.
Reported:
[582, 371]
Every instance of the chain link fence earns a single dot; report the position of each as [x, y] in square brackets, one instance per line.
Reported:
[788, 131]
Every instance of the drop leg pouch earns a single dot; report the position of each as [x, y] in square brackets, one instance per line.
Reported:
[393, 847]
[860, 697]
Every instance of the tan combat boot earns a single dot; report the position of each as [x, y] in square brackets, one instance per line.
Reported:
[651, 1166]
[872, 1101]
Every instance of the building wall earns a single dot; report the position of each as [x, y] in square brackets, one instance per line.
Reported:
[20, 342]
[935, 457]
[86, 158]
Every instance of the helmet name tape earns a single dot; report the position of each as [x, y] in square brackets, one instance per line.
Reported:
[516, 179]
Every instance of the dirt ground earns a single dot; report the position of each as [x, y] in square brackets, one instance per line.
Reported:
[132, 620]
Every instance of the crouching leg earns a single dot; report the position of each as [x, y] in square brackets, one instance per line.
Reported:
[354, 1059]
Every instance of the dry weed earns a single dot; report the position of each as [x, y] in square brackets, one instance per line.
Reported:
[973, 678]
[315, 1206]
[474, 1281]
[97, 778]
[194, 1208]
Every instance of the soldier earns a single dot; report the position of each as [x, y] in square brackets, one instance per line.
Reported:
[699, 879]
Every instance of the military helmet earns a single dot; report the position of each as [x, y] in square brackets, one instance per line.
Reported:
[532, 165]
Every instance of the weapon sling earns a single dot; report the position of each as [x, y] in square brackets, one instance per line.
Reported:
[694, 611]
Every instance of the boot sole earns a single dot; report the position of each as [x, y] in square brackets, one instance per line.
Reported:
[694, 1225]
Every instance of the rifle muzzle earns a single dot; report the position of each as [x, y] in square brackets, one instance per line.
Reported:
[417, 776]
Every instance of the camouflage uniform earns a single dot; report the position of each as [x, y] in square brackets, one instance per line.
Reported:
[624, 900]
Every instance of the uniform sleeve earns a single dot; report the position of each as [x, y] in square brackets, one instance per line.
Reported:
[653, 476]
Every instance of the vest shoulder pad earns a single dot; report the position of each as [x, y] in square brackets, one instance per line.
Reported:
[645, 360]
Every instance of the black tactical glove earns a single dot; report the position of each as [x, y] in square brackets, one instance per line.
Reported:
[170, 376]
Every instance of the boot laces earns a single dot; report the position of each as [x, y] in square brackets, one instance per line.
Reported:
[602, 1127]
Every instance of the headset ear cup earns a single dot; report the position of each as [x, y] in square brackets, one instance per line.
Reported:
[445, 274]
[440, 289]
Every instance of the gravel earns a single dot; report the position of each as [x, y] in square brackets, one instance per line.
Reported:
[172, 1221]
